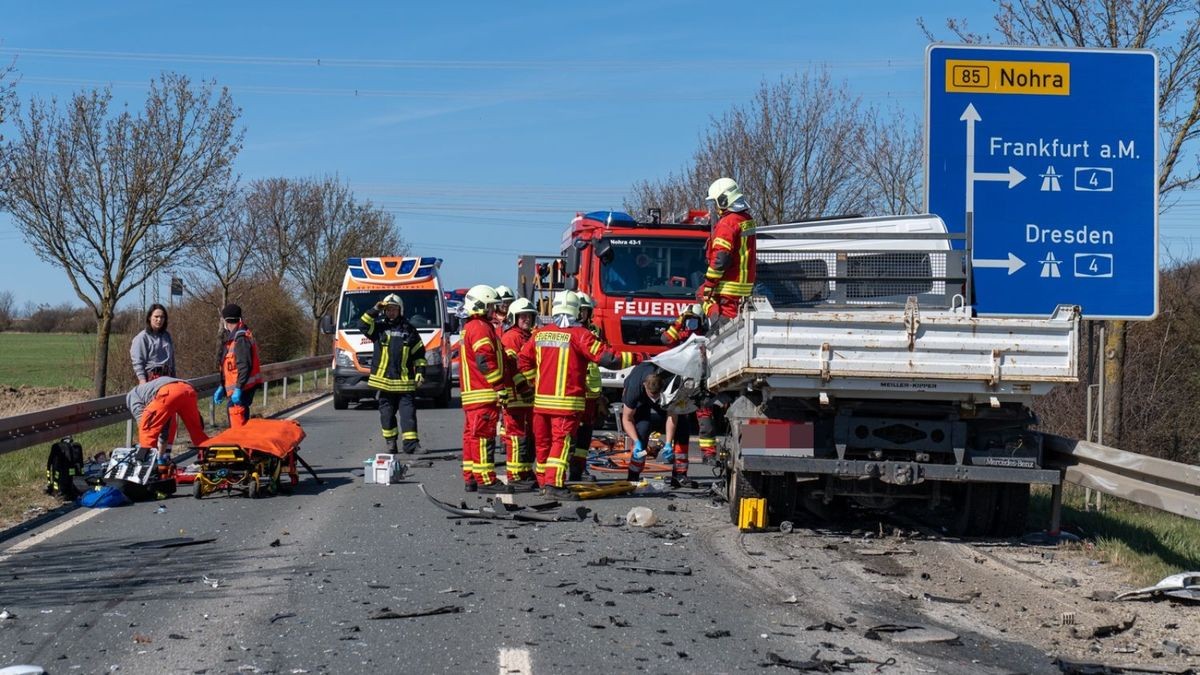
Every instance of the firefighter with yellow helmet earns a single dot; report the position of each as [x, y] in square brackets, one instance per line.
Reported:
[518, 414]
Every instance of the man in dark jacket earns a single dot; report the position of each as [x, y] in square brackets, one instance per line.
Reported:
[397, 369]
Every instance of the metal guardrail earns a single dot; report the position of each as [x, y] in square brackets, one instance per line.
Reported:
[25, 430]
[1149, 481]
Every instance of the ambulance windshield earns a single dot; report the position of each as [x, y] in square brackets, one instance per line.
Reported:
[654, 267]
[422, 307]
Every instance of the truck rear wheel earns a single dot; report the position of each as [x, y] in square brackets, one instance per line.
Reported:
[976, 505]
[1012, 509]
[339, 401]
[742, 487]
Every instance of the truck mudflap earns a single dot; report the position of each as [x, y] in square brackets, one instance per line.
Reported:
[757, 460]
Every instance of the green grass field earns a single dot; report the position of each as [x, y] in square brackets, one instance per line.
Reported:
[47, 359]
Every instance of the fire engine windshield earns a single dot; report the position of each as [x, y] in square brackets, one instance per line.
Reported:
[422, 307]
[654, 267]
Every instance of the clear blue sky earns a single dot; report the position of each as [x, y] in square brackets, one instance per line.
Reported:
[483, 126]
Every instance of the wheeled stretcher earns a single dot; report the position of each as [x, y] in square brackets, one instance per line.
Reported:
[250, 459]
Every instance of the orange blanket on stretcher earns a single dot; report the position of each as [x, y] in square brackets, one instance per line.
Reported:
[274, 437]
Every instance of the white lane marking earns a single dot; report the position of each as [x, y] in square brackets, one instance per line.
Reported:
[84, 516]
[309, 408]
[43, 536]
[513, 661]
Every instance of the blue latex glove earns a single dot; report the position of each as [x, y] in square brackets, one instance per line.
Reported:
[667, 454]
[219, 395]
[236, 397]
[638, 451]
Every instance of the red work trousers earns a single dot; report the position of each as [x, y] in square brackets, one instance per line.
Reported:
[479, 443]
[723, 306]
[176, 398]
[707, 429]
[518, 442]
[554, 437]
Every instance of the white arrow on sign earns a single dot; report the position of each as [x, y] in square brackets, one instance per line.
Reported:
[1012, 176]
[1013, 263]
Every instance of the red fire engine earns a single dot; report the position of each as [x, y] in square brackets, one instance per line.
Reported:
[642, 275]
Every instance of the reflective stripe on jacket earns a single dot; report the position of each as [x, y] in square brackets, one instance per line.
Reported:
[239, 366]
[481, 363]
[399, 351]
[731, 253]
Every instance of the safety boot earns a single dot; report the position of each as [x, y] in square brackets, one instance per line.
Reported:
[562, 494]
[471, 486]
[390, 445]
[496, 488]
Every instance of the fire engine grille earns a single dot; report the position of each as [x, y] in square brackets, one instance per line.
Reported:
[863, 278]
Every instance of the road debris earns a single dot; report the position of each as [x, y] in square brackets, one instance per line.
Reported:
[1107, 630]
[929, 597]
[815, 663]
[827, 626]
[1183, 586]
[909, 634]
[1070, 667]
[281, 615]
[386, 613]
[681, 570]
[640, 516]
[175, 542]
[714, 634]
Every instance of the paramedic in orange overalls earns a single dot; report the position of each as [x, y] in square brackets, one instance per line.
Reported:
[240, 369]
[730, 252]
[154, 406]
[555, 359]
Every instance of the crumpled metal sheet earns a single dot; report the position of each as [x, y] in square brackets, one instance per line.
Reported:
[1184, 586]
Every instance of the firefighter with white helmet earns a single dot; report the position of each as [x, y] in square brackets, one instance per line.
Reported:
[592, 406]
[518, 414]
[507, 297]
[397, 369]
[482, 382]
[730, 252]
[555, 360]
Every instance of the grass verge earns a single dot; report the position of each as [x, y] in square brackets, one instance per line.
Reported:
[1150, 544]
[48, 359]
[23, 472]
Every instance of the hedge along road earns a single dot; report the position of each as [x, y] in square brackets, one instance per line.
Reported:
[290, 584]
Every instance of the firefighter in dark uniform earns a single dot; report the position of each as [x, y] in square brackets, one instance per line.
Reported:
[397, 369]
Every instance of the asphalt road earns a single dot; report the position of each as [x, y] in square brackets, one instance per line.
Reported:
[291, 583]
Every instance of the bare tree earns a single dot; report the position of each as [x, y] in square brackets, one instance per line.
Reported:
[111, 196]
[1172, 29]
[343, 228]
[281, 213]
[8, 309]
[892, 160]
[796, 150]
[223, 257]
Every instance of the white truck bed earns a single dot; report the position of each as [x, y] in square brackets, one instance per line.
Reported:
[907, 353]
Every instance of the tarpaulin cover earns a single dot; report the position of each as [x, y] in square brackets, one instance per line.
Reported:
[274, 437]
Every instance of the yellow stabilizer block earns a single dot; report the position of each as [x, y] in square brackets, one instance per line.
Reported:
[586, 491]
[752, 514]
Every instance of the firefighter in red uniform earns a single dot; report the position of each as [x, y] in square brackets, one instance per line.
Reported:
[518, 414]
[501, 314]
[592, 399]
[730, 253]
[555, 359]
[693, 322]
[240, 369]
[481, 380]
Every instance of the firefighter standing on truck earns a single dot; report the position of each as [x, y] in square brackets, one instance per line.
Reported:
[693, 322]
[240, 369]
[397, 369]
[555, 359]
[592, 400]
[730, 253]
[518, 414]
[482, 383]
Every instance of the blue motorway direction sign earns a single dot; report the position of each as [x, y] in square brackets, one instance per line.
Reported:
[1047, 159]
